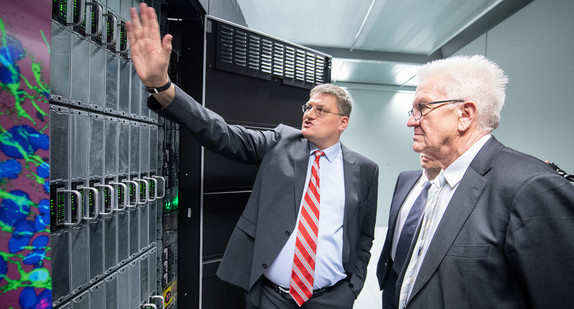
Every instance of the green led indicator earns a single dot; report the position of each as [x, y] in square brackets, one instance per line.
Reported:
[121, 195]
[172, 205]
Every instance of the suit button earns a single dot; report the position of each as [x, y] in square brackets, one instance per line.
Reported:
[287, 233]
[264, 266]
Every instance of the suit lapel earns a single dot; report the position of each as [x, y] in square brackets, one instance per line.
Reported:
[352, 187]
[404, 187]
[300, 157]
[458, 210]
[351, 174]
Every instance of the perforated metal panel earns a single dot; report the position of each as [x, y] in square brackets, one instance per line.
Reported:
[60, 152]
[80, 145]
[96, 240]
[98, 296]
[79, 242]
[80, 64]
[60, 242]
[60, 64]
[96, 140]
[111, 133]
[246, 52]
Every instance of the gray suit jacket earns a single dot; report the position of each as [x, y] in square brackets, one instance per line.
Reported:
[271, 211]
[405, 183]
[506, 239]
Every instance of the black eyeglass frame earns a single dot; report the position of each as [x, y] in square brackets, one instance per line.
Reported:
[320, 112]
[412, 111]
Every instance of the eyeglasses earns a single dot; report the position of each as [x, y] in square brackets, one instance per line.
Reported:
[319, 111]
[417, 110]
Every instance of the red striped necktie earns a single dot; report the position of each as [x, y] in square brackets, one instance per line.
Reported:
[301, 288]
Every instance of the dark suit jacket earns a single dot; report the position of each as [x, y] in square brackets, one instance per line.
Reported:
[405, 183]
[271, 211]
[506, 239]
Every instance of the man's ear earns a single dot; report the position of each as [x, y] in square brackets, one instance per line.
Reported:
[344, 122]
[468, 113]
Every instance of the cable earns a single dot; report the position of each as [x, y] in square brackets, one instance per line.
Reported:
[560, 171]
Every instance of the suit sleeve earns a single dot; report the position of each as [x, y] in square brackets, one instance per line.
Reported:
[540, 246]
[367, 230]
[212, 132]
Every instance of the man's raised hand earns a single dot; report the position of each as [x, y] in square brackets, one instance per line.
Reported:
[150, 53]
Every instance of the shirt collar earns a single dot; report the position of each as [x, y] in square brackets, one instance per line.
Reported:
[330, 153]
[423, 178]
[454, 172]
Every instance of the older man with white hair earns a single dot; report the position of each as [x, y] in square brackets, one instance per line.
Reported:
[498, 226]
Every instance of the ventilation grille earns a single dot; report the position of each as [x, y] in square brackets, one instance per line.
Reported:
[253, 54]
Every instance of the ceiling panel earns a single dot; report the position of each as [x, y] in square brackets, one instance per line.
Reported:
[331, 22]
[419, 27]
[378, 41]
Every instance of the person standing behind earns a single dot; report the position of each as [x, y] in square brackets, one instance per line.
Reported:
[408, 201]
[304, 237]
[498, 226]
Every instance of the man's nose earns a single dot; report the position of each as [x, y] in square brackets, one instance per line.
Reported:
[411, 122]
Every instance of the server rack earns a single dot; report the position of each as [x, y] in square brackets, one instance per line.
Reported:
[107, 186]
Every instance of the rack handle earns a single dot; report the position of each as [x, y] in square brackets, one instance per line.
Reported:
[79, 208]
[163, 186]
[161, 299]
[111, 41]
[113, 207]
[154, 187]
[96, 204]
[122, 26]
[81, 14]
[99, 9]
[145, 190]
[137, 201]
[126, 196]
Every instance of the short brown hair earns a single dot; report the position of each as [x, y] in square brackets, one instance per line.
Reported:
[344, 101]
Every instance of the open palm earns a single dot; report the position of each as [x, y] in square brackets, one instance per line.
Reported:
[150, 54]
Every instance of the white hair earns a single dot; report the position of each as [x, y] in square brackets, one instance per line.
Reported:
[472, 78]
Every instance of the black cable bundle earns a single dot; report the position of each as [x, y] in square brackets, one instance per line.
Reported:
[560, 171]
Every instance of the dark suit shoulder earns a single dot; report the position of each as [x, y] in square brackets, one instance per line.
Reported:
[288, 131]
[356, 157]
[509, 170]
[518, 165]
[410, 174]
[507, 166]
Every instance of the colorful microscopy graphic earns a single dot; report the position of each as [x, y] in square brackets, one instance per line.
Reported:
[25, 280]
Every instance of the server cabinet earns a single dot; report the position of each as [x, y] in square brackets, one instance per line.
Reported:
[106, 166]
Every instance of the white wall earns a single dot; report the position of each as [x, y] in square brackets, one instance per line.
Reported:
[378, 130]
[535, 47]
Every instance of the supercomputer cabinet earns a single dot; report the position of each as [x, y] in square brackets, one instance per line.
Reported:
[109, 182]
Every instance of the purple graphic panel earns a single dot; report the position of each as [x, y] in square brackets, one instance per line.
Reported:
[25, 278]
